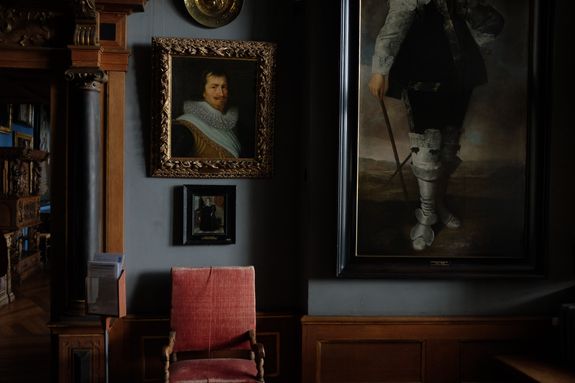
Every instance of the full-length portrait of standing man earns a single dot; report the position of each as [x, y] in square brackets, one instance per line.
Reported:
[427, 55]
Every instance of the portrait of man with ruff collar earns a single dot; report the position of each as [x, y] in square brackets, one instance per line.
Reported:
[213, 108]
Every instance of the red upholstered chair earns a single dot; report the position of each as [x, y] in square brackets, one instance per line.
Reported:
[213, 321]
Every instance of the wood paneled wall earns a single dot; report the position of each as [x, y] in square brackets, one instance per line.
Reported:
[415, 349]
[136, 344]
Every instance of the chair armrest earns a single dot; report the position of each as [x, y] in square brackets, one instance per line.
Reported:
[167, 355]
[258, 350]
[251, 334]
[259, 354]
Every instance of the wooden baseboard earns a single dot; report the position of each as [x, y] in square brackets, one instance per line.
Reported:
[414, 349]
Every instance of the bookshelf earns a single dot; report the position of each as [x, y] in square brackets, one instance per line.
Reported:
[20, 209]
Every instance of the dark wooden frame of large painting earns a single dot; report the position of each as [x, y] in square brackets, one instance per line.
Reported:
[529, 257]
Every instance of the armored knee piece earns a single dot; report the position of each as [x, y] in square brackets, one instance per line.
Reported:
[426, 166]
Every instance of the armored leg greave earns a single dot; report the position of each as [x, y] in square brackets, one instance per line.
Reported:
[426, 166]
[449, 163]
[434, 159]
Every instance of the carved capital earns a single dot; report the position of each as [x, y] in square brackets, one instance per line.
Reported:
[87, 78]
[86, 32]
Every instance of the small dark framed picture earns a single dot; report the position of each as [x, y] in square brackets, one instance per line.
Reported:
[204, 214]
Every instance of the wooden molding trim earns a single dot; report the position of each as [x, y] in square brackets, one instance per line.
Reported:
[115, 60]
[34, 58]
[114, 163]
[126, 6]
[113, 23]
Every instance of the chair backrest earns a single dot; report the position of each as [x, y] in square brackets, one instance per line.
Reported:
[212, 307]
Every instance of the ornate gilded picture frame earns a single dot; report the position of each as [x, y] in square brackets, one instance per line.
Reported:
[213, 108]
[443, 195]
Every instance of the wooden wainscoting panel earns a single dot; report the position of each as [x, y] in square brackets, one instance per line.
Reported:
[271, 342]
[280, 335]
[395, 362]
[430, 349]
[441, 361]
[140, 347]
[152, 368]
[116, 349]
[81, 358]
[477, 363]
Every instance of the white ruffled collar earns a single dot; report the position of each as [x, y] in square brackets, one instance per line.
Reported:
[212, 117]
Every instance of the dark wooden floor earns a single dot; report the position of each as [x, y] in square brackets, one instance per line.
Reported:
[24, 333]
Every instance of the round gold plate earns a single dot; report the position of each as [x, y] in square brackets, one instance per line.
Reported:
[213, 13]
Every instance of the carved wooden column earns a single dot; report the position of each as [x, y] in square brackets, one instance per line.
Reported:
[87, 120]
[85, 185]
[95, 175]
[84, 179]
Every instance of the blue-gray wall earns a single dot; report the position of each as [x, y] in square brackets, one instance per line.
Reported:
[287, 225]
[267, 218]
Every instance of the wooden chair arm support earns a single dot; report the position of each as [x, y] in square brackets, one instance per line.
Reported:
[258, 353]
[251, 335]
[258, 350]
[167, 355]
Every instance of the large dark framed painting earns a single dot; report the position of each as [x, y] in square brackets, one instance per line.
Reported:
[443, 186]
[213, 108]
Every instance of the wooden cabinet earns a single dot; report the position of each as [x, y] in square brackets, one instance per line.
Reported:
[6, 295]
[21, 171]
[81, 349]
[20, 209]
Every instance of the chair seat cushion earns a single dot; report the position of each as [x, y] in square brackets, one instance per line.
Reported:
[213, 371]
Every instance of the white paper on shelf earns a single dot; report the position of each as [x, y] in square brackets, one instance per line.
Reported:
[110, 257]
[97, 269]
